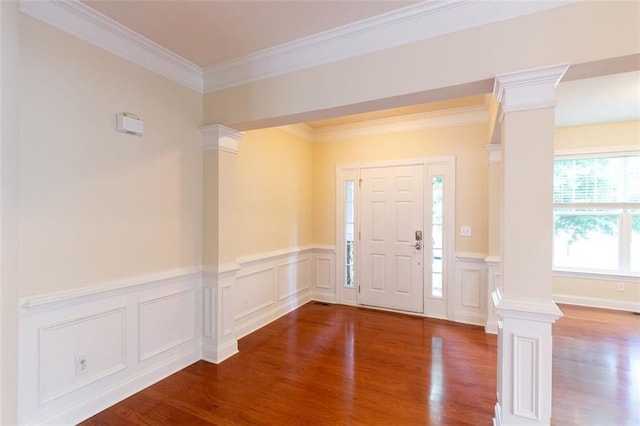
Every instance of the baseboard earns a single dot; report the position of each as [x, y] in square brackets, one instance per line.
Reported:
[271, 314]
[596, 302]
[97, 403]
[221, 353]
[491, 327]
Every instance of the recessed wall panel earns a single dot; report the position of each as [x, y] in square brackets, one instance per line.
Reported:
[165, 322]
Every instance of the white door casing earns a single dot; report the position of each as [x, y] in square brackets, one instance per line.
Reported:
[391, 211]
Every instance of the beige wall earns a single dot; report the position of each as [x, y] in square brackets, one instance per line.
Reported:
[97, 205]
[466, 143]
[274, 192]
[625, 135]
[578, 33]
[599, 136]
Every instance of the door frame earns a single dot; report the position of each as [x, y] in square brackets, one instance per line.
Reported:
[445, 166]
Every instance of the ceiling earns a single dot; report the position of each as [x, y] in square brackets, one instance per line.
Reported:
[214, 31]
[210, 32]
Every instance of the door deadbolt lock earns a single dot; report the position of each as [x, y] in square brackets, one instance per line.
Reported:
[418, 235]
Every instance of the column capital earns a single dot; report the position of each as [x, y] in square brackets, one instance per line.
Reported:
[495, 153]
[221, 138]
[528, 89]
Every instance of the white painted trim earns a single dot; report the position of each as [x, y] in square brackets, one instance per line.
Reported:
[492, 260]
[407, 25]
[270, 255]
[221, 138]
[79, 20]
[218, 354]
[595, 152]
[527, 309]
[470, 257]
[44, 301]
[583, 275]
[408, 123]
[94, 403]
[495, 153]
[301, 130]
[529, 89]
[597, 302]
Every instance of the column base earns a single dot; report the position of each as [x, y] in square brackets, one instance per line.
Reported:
[217, 354]
[524, 361]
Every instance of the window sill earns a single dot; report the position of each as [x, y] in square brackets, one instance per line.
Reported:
[596, 275]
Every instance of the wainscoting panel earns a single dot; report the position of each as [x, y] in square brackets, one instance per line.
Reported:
[469, 293]
[270, 285]
[94, 355]
[324, 283]
[165, 322]
[254, 291]
[86, 349]
[293, 277]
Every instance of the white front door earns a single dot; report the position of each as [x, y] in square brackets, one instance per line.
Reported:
[391, 214]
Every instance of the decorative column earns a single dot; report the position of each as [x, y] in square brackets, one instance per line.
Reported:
[494, 268]
[219, 251]
[525, 304]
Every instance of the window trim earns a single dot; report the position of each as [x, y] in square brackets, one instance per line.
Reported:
[587, 153]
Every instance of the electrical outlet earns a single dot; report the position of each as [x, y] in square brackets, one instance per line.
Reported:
[82, 365]
[465, 231]
[620, 286]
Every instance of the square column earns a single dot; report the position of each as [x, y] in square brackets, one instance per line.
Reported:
[494, 267]
[525, 305]
[219, 250]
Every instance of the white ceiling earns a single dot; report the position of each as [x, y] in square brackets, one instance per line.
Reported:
[212, 32]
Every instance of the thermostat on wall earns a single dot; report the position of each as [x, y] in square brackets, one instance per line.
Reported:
[129, 123]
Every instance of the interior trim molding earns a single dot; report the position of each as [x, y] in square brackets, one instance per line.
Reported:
[44, 300]
[410, 24]
[392, 125]
[396, 28]
[80, 20]
[597, 302]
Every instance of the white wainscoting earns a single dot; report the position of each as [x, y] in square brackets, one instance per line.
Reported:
[131, 334]
[273, 284]
[469, 293]
[135, 332]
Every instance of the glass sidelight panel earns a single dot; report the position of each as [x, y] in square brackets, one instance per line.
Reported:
[349, 227]
[437, 186]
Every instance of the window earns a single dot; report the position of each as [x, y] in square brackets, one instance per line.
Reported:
[349, 232]
[597, 214]
[436, 236]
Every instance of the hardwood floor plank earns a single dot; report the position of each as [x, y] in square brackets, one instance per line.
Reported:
[340, 365]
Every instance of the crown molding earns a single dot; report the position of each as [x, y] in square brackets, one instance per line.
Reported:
[410, 24]
[403, 26]
[220, 138]
[81, 21]
[495, 153]
[408, 123]
[301, 130]
[528, 89]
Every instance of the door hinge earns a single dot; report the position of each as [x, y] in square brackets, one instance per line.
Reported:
[358, 289]
[360, 183]
[359, 235]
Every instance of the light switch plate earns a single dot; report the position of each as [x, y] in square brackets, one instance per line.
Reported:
[465, 231]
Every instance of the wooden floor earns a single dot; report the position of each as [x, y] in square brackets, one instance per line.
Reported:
[331, 365]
